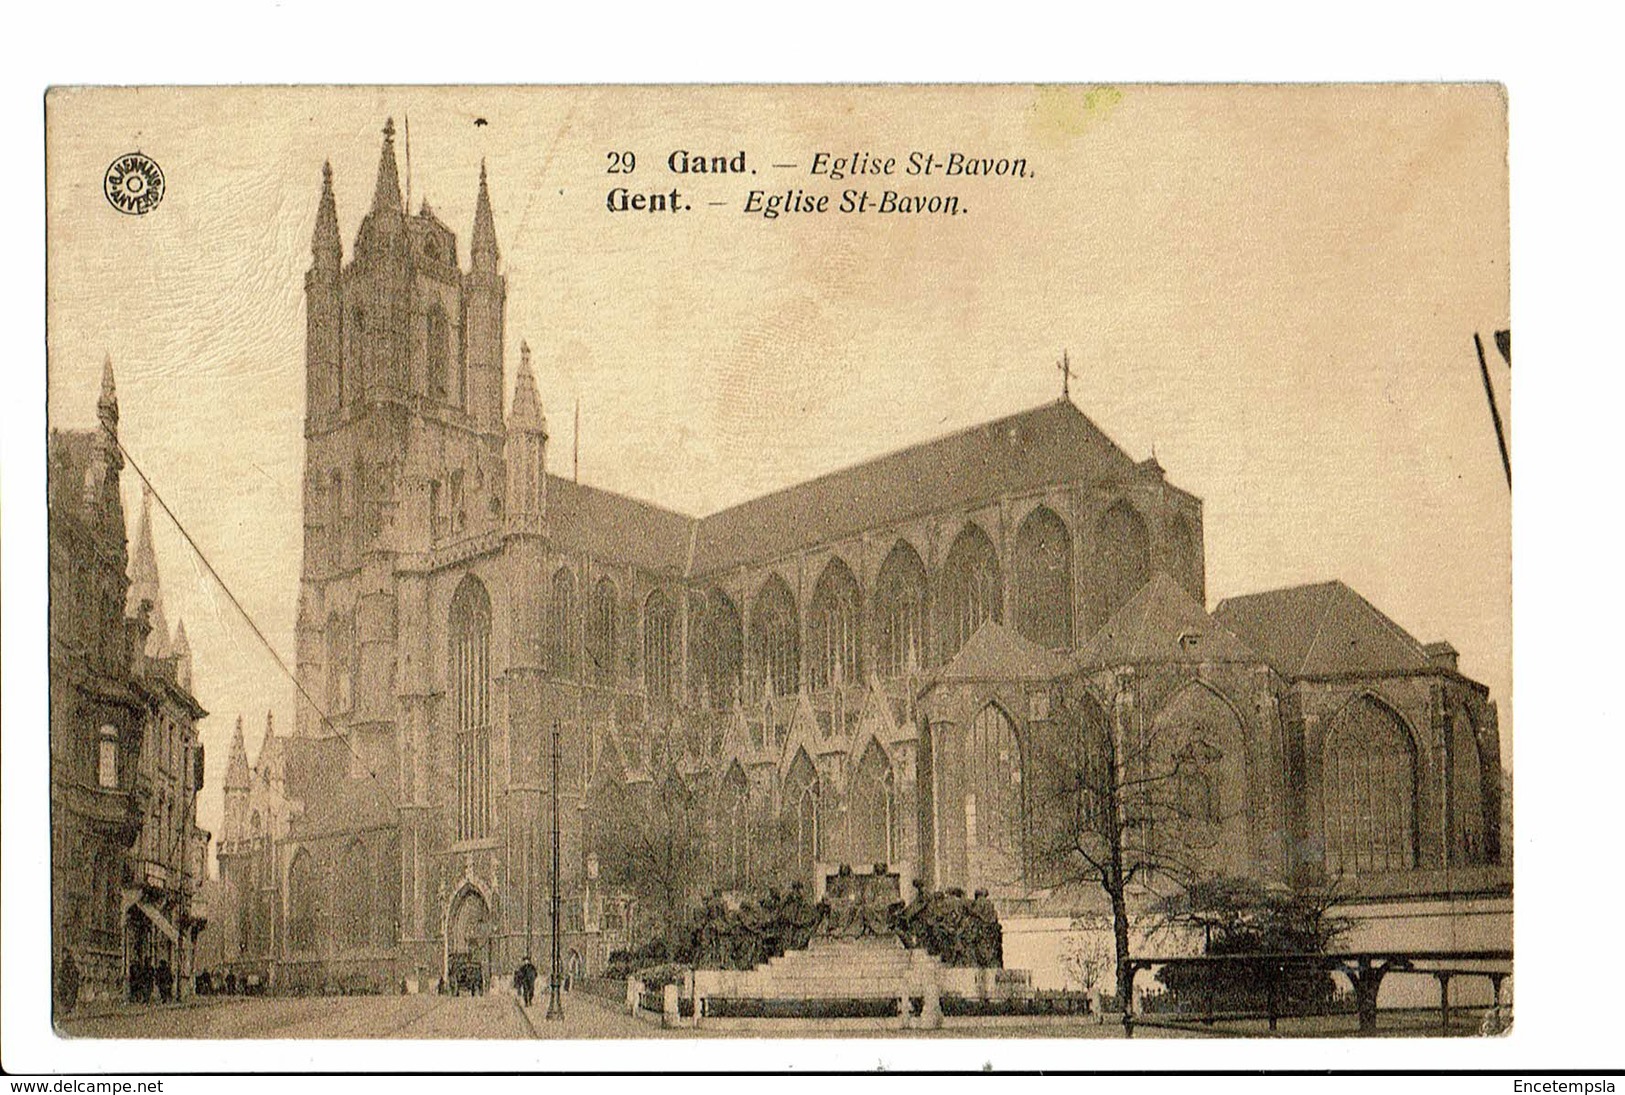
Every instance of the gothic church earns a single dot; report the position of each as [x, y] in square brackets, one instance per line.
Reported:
[860, 668]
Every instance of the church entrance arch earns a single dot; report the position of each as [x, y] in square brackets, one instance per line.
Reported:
[469, 932]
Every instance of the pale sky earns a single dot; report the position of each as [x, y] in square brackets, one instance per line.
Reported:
[1274, 288]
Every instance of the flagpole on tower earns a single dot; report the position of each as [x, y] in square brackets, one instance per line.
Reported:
[1064, 366]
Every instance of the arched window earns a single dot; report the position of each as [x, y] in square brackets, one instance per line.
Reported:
[874, 808]
[993, 810]
[471, 701]
[801, 793]
[658, 648]
[602, 648]
[1468, 784]
[1043, 577]
[716, 639]
[437, 335]
[971, 589]
[355, 897]
[1123, 555]
[1186, 556]
[340, 665]
[1197, 775]
[735, 836]
[304, 903]
[900, 613]
[561, 624]
[1369, 791]
[775, 639]
[836, 657]
[335, 516]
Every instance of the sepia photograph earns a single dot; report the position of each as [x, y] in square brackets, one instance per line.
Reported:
[1011, 561]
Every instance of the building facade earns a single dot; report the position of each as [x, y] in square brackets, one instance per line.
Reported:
[869, 667]
[127, 855]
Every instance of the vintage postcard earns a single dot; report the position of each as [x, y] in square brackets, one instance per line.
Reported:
[697, 562]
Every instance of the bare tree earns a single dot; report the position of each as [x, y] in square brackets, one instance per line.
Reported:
[1123, 802]
[651, 842]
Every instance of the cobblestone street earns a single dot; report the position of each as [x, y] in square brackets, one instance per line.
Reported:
[417, 1017]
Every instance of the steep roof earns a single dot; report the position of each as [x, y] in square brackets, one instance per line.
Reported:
[996, 653]
[1162, 623]
[1323, 630]
[1021, 451]
[613, 526]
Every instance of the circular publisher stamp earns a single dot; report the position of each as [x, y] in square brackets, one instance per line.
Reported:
[134, 184]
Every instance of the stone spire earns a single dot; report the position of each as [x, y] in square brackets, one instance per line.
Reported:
[237, 764]
[107, 404]
[483, 244]
[182, 650]
[386, 194]
[144, 584]
[527, 405]
[326, 248]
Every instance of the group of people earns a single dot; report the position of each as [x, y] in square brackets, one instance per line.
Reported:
[960, 931]
[743, 938]
[151, 980]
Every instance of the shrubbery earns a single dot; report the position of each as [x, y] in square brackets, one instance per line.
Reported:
[1242, 917]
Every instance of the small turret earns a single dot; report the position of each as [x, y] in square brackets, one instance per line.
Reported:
[107, 404]
[485, 293]
[144, 585]
[182, 649]
[483, 244]
[326, 246]
[383, 229]
[525, 447]
[237, 762]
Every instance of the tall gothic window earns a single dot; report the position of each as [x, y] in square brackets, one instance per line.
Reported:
[775, 639]
[735, 835]
[304, 903]
[1369, 791]
[802, 796]
[836, 657]
[340, 664]
[1043, 579]
[874, 808]
[658, 648]
[971, 589]
[716, 649]
[993, 812]
[355, 897]
[1467, 782]
[602, 621]
[437, 335]
[561, 624]
[335, 517]
[471, 700]
[1123, 551]
[899, 612]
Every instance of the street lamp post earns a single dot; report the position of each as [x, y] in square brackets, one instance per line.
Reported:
[555, 982]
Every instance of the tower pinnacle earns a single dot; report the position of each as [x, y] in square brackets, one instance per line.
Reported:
[483, 244]
[527, 405]
[144, 584]
[386, 194]
[326, 248]
[107, 404]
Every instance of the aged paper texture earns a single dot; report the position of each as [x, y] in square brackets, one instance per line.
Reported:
[721, 561]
